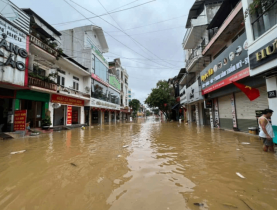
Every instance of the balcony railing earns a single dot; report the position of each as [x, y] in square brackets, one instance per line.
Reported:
[40, 83]
[265, 20]
[197, 52]
[43, 46]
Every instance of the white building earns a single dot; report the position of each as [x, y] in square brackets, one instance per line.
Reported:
[261, 30]
[195, 40]
[87, 44]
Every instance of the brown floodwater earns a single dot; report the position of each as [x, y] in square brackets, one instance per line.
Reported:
[165, 166]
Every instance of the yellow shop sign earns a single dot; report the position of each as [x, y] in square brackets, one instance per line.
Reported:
[209, 73]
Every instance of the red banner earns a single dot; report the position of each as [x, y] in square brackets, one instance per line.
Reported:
[240, 75]
[69, 115]
[94, 76]
[20, 120]
[67, 100]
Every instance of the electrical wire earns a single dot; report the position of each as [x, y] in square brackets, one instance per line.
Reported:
[103, 14]
[124, 33]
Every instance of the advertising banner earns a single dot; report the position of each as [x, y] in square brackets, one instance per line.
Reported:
[231, 65]
[69, 115]
[94, 76]
[20, 120]
[66, 100]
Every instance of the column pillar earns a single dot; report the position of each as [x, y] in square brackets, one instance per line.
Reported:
[271, 85]
[110, 116]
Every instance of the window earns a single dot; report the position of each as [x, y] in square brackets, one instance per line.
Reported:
[60, 80]
[104, 93]
[38, 71]
[101, 70]
[264, 18]
[75, 85]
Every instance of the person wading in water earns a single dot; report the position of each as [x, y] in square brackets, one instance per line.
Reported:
[266, 130]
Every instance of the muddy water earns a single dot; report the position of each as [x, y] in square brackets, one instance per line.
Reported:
[165, 166]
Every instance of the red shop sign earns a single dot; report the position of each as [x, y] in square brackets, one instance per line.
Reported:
[69, 115]
[20, 120]
[67, 100]
[240, 75]
[94, 76]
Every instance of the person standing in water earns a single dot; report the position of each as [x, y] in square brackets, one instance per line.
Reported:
[266, 130]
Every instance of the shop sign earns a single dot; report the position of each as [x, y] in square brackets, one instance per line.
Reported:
[263, 55]
[194, 93]
[208, 104]
[94, 76]
[20, 120]
[13, 53]
[15, 15]
[216, 113]
[234, 115]
[103, 104]
[69, 115]
[66, 100]
[233, 60]
[90, 43]
[272, 94]
[114, 82]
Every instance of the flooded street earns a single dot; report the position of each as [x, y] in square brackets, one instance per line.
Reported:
[165, 166]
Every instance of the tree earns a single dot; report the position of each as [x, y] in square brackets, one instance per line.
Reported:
[162, 98]
[135, 105]
[148, 113]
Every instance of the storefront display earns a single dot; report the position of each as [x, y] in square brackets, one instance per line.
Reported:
[20, 120]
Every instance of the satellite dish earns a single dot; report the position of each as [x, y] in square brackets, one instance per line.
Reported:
[56, 105]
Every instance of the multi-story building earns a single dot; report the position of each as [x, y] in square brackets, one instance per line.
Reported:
[129, 95]
[226, 106]
[122, 76]
[14, 25]
[87, 44]
[195, 40]
[261, 30]
[57, 84]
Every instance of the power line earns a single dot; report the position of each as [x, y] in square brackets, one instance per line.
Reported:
[153, 31]
[124, 5]
[112, 36]
[122, 32]
[103, 14]
[151, 24]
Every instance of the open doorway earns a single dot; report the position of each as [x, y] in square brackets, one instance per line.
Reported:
[59, 115]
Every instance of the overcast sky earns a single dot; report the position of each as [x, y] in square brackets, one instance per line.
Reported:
[159, 54]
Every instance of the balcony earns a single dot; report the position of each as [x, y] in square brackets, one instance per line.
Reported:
[43, 46]
[227, 31]
[42, 84]
[196, 60]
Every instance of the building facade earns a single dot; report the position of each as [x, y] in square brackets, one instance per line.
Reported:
[86, 45]
[194, 42]
[261, 30]
[14, 49]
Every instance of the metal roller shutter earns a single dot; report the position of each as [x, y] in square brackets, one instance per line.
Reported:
[245, 108]
[225, 112]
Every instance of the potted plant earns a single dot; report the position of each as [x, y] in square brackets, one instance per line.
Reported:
[46, 122]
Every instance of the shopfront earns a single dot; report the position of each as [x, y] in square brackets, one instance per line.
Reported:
[14, 49]
[231, 108]
[35, 103]
[67, 110]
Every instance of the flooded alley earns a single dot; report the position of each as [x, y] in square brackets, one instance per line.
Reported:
[146, 165]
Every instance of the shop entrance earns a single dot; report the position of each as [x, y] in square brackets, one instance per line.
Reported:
[106, 116]
[34, 112]
[206, 115]
[59, 116]
[193, 113]
[94, 117]
[113, 116]
[76, 115]
[6, 105]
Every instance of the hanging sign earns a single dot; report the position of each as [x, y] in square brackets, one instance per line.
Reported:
[20, 120]
[69, 115]
[208, 104]
[272, 94]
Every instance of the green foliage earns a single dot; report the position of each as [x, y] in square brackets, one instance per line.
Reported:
[46, 121]
[161, 97]
[60, 52]
[148, 113]
[135, 105]
[255, 5]
[45, 79]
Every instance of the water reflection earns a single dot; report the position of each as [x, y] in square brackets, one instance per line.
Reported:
[165, 166]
